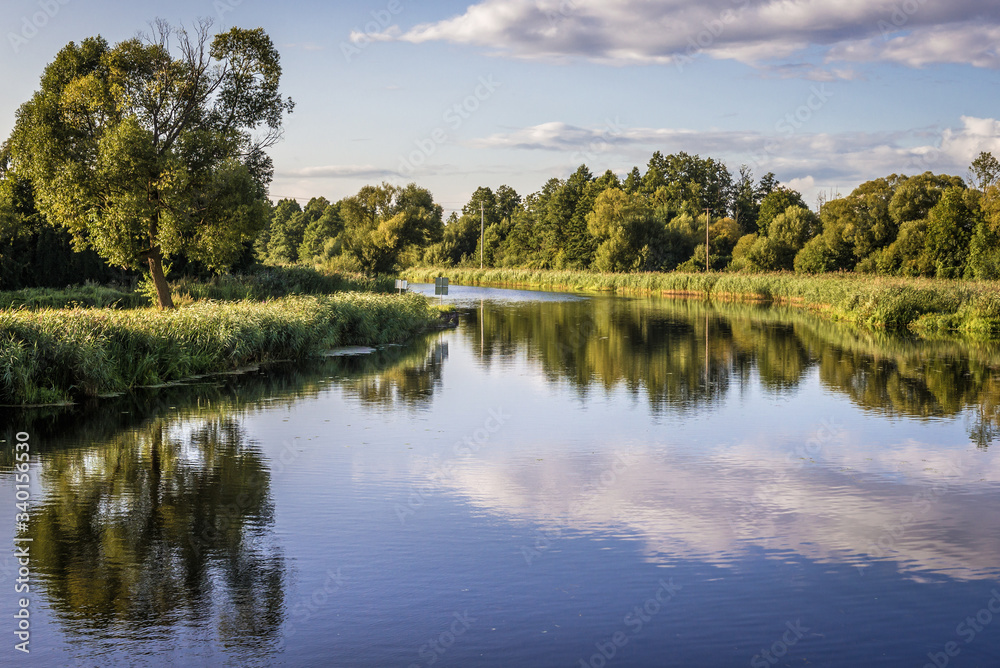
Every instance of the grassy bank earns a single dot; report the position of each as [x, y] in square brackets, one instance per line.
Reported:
[53, 355]
[263, 283]
[921, 305]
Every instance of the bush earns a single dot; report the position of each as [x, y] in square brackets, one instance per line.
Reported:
[816, 257]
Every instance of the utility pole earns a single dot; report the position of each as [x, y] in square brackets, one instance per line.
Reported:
[708, 215]
[482, 232]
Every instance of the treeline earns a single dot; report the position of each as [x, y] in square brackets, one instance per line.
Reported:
[151, 154]
[925, 225]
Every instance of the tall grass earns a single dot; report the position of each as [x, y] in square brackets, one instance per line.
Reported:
[94, 296]
[921, 305]
[262, 283]
[273, 282]
[51, 355]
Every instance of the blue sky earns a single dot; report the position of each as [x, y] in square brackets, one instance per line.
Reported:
[453, 95]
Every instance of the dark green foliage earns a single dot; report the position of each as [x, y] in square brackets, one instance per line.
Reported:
[775, 203]
[757, 253]
[949, 230]
[34, 254]
[914, 197]
[321, 235]
[746, 203]
[794, 227]
[984, 249]
[906, 256]
[629, 236]
[816, 257]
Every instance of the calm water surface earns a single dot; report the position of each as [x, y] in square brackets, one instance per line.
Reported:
[561, 481]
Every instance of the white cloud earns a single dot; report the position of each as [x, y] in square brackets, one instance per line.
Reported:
[752, 497]
[803, 184]
[914, 33]
[337, 172]
[965, 43]
[825, 157]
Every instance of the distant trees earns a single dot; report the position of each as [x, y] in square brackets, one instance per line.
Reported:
[923, 225]
[105, 159]
[628, 235]
[648, 221]
[383, 224]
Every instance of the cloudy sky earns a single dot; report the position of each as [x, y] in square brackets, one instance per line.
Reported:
[825, 93]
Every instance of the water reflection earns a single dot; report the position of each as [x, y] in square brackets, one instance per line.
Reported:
[391, 376]
[409, 379]
[162, 526]
[660, 347]
[718, 509]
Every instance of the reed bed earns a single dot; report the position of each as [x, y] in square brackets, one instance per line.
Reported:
[85, 296]
[55, 355]
[921, 305]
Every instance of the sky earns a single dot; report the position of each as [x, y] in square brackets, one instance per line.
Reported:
[450, 95]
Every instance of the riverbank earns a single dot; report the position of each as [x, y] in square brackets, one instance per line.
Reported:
[924, 306]
[54, 355]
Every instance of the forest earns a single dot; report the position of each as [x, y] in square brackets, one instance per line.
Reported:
[149, 157]
[930, 225]
[924, 225]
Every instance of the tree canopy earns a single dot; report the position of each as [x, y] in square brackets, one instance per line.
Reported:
[155, 147]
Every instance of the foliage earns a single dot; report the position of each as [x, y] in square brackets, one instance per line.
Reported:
[816, 257]
[259, 284]
[949, 229]
[628, 236]
[776, 203]
[382, 223]
[873, 301]
[54, 355]
[794, 227]
[143, 155]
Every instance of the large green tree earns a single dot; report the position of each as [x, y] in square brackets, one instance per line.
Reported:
[950, 225]
[383, 223]
[156, 147]
[776, 203]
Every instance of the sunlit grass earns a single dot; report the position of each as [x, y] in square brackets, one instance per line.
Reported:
[922, 305]
[51, 355]
[262, 283]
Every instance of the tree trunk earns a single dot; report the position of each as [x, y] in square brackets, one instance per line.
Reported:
[164, 301]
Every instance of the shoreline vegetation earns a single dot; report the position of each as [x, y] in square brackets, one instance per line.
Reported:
[57, 352]
[923, 306]
[100, 180]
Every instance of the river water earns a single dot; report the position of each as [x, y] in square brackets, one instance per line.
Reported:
[560, 481]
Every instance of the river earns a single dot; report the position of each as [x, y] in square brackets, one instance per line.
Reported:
[562, 480]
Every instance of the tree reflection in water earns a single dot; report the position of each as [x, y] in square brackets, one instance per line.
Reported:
[659, 346]
[163, 526]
